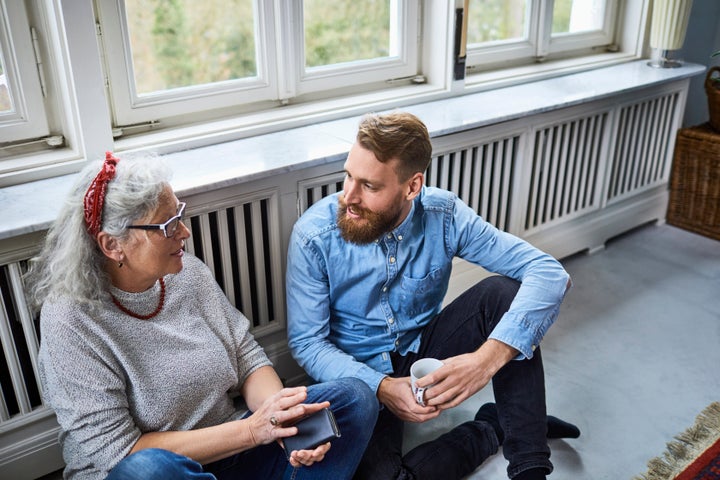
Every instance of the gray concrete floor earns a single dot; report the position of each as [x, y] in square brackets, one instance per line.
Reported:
[632, 358]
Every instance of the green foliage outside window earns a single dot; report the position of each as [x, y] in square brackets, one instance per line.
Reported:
[170, 41]
[561, 16]
[501, 20]
[496, 20]
[345, 30]
[179, 43]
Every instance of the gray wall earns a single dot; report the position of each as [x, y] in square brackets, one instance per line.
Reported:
[702, 39]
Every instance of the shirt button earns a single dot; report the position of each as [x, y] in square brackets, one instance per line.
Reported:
[533, 347]
[384, 289]
[399, 237]
[397, 342]
[392, 259]
[389, 235]
[391, 321]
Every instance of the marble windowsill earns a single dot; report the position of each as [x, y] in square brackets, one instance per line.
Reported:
[32, 206]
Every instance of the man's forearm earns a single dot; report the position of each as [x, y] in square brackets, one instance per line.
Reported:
[494, 354]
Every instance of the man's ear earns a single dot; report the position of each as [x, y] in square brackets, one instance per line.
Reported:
[414, 185]
[110, 246]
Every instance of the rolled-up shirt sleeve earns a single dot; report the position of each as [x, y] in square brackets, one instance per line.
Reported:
[543, 280]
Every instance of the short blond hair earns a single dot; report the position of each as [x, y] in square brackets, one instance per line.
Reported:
[397, 136]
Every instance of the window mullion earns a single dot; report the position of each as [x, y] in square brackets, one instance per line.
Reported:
[542, 17]
[289, 41]
[90, 109]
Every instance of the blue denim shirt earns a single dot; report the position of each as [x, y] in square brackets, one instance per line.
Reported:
[350, 305]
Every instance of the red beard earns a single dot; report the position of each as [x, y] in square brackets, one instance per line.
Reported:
[368, 227]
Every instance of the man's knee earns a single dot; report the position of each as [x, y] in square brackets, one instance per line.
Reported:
[500, 285]
[350, 393]
[496, 293]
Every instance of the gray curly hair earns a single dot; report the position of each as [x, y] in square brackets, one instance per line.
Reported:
[71, 263]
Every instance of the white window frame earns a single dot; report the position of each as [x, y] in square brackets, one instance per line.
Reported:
[129, 108]
[404, 23]
[78, 100]
[29, 119]
[582, 40]
[281, 72]
[540, 43]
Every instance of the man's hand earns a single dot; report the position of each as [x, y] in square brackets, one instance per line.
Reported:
[396, 394]
[464, 375]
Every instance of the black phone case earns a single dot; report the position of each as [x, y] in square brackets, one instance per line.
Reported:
[314, 430]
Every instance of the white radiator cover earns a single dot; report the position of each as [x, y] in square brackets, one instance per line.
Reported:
[566, 181]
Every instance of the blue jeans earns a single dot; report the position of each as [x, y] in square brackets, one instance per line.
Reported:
[355, 408]
[519, 389]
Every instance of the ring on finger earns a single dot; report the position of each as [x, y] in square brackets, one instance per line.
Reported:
[274, 421]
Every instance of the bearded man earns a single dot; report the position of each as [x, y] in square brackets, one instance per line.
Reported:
[367, 272]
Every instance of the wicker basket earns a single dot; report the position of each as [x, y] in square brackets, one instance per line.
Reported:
[713, 95]
[695, 182]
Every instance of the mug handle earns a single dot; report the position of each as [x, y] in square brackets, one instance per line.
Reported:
[419, 395]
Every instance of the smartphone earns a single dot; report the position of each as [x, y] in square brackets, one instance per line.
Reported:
[313, 430]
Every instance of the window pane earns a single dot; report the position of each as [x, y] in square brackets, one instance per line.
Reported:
[5, 100]
[343, 31]
[575, 16]
[497, 21]
[181, 43]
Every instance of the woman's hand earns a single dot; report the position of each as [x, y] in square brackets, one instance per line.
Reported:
[268, 423]
[299, 458]
[275, 420]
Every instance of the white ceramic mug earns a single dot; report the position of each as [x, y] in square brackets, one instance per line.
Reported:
[419, 369]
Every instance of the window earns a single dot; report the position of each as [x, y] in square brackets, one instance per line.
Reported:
[346, 42]
[79, 78]
[22, 111]
[171, 58]
[503, 33]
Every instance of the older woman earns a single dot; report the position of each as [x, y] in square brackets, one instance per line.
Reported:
[142, 356]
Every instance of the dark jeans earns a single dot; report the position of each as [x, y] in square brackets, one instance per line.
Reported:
[519, 389]
[355, 408]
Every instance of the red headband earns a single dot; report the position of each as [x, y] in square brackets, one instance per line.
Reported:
[95, 195]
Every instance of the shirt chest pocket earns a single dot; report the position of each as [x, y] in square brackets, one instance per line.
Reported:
[421, 296]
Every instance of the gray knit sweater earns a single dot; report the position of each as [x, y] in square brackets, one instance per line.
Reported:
[110, 377]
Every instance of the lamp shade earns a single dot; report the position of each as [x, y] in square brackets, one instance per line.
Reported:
[669, 23]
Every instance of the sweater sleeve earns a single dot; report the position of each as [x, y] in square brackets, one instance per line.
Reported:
[83, 385]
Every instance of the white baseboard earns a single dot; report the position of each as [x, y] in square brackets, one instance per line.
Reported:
[32, 457]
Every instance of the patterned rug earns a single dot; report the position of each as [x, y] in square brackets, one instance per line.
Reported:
[694, 454]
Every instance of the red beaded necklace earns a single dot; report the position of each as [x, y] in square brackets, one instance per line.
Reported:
[143, 317]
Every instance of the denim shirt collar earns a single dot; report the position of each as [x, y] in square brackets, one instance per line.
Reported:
[399, 232]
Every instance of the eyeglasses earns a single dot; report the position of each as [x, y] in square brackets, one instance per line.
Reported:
[170, 227]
